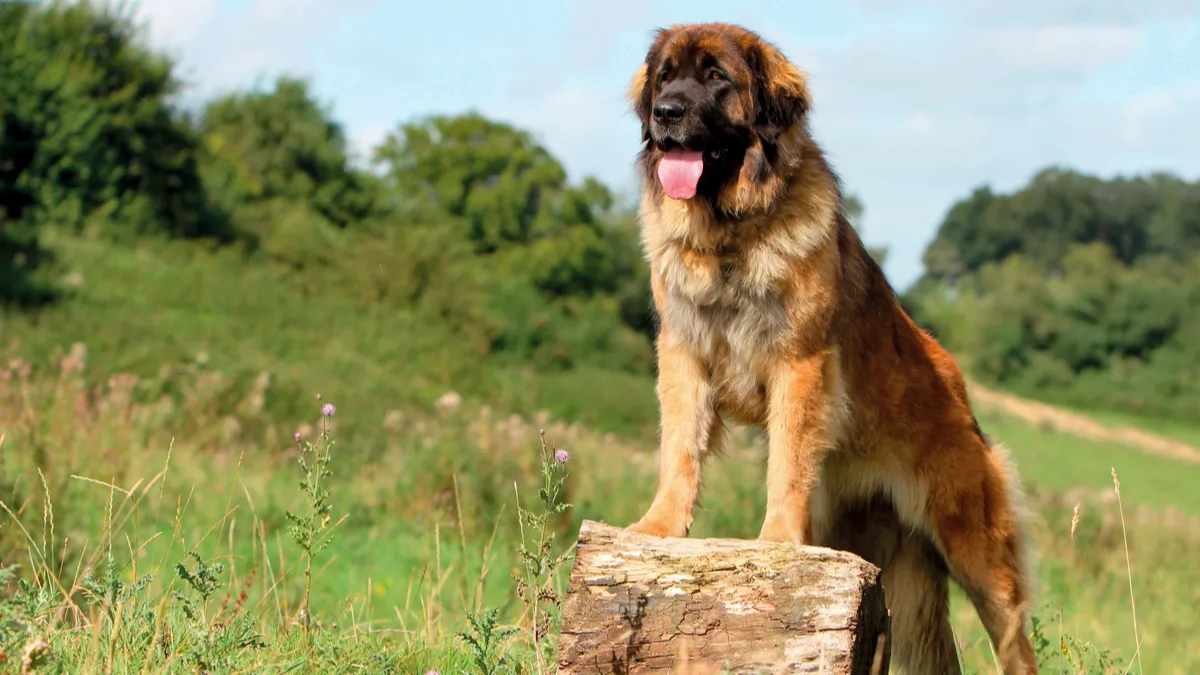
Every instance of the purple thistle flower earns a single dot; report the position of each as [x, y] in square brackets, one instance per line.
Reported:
[297, 436]
[561, 456]
[328, 410]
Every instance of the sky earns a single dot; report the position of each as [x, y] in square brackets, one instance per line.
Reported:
[916, 102]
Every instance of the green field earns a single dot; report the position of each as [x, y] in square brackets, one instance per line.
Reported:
[1059, 462]
[1179, 431]
[200, 456]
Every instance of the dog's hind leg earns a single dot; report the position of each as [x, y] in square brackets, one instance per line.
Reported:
[916, 587]
[978, 520]
[915, 582]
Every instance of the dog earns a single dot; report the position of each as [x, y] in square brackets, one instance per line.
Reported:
[772, 313]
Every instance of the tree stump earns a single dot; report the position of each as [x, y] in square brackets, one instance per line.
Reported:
[643, 604]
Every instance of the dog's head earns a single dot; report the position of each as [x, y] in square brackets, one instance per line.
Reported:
[716, 103]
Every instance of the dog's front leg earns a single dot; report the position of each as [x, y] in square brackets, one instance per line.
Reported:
[690, 429]
[798, 426]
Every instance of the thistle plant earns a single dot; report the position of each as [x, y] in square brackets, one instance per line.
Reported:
[539, 564]
[203, 582]
[485, 639]
[211, 643]
[312, 531]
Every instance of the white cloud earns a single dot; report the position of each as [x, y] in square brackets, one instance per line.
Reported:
[589, 42]
[1163, 124]
[172, 25]
[535, 74]
[1061, 49]
[992, 73]
[233, 46]
[995, 13]
[921, 125]
[595, 24]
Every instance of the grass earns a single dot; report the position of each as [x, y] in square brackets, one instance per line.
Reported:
[426, 537]
[148, 478]
[408, 559]
[1059, 462]
[152, 307]
[1165, 427]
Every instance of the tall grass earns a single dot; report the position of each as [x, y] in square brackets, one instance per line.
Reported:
[149, 530]
[190, 565]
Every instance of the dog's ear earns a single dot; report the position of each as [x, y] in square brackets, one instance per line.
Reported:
[641, 88]
[781, 97]
[640, 95]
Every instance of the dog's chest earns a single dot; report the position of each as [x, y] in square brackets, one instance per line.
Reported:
[730, 313]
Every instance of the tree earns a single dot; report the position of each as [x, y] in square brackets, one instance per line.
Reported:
[97, 142]
[1060, 208]
[559, 263]
[494, 178]
[19, 249]
[1073, 288]
[506, 195]
[282, 144]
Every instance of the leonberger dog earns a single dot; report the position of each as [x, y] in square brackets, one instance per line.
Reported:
[772, 313]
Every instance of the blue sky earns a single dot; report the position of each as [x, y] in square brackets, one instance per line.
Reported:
[916, 101]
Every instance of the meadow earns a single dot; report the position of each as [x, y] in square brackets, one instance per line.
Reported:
[147, 495]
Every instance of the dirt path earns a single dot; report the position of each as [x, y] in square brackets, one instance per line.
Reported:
[1038, 413]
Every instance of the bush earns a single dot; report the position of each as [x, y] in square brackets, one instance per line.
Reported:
[98, 145]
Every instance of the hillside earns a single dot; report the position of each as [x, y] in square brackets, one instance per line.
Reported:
[160, 309]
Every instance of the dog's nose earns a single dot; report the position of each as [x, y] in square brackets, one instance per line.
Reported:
[668, 110]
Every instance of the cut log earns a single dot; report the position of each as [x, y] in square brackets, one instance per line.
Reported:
[644, 604]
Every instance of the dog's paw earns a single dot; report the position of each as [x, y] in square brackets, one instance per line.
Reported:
[658, 528]
[778, 531]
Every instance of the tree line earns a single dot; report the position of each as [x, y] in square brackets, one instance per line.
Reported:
[1074, 288]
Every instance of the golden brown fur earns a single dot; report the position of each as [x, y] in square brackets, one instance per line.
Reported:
[772, 313]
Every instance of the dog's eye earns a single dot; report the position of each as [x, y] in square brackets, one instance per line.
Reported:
[715, 74]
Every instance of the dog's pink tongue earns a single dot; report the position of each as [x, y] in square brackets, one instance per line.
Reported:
[679, 172]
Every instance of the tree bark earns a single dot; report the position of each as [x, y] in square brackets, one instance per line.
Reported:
[643, 604]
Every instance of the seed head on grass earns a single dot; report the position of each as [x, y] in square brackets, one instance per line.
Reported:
[1137, 641]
